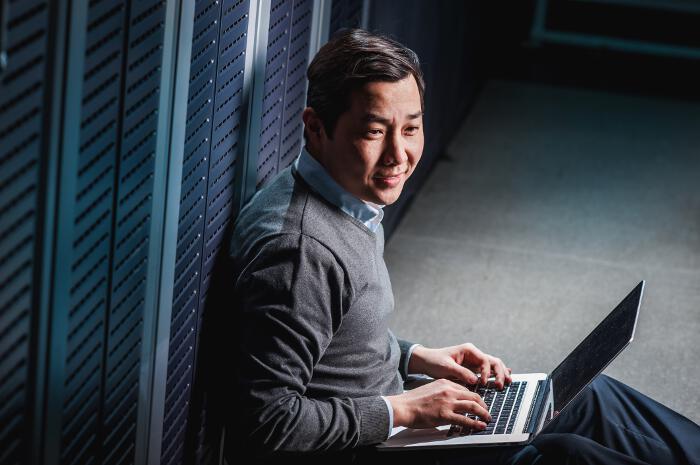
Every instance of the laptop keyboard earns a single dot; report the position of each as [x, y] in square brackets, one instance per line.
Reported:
[503, 406]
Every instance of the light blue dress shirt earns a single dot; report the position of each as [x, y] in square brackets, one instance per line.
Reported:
[316, 176]
[370, 214]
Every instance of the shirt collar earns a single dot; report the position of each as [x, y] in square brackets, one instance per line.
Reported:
[316, 176]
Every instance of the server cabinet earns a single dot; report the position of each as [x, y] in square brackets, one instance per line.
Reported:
[82, 140]
[103, 232]
[285, 86]
[212, 144]
[24, 66]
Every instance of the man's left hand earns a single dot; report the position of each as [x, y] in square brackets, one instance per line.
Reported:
[461, 363]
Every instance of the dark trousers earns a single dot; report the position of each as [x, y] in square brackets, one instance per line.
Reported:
[609, 423]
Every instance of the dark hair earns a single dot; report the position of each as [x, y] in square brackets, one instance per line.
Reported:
[352, 58]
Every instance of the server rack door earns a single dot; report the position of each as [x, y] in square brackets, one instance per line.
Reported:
[285, 85]
[213, 132]
[25, 49]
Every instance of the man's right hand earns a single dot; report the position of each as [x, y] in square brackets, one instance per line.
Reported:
[441, 402]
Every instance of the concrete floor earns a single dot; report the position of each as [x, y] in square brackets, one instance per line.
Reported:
[552, 204]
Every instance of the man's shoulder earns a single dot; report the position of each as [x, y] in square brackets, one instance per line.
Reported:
[288, 207]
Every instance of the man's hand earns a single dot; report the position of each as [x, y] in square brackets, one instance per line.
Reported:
[460, 363]
[441, 402]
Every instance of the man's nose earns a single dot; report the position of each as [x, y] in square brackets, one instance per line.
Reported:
[395, 151]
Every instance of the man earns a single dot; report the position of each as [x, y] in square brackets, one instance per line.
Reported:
[316, 367]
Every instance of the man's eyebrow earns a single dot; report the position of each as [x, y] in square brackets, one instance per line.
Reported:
[372, 118]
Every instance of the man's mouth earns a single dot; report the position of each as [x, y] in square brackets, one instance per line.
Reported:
[389, 180]
[390, 175]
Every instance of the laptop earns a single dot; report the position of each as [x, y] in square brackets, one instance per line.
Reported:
[523, 408]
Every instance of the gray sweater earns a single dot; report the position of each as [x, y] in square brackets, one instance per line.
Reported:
[312, 349]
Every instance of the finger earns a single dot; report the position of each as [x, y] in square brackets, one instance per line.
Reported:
[484, 363]
[473, 357]
[509, 378]
[464, 375]
[500, 372]
[474, 397]
[485, 371]
[466, 406]
[465, 422]
[463, 393]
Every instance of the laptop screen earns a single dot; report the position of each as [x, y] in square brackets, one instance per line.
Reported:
[599, 348]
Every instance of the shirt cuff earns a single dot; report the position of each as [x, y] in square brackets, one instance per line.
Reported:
[408, 358]
[391, 415]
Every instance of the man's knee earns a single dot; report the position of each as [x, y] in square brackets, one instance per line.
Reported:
[602, 386]
[602, 382]
[609, 390]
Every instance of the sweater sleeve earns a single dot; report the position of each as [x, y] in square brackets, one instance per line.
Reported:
[291, 300]
[406, 348]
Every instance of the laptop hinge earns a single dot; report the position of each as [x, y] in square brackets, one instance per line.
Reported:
[535, 412]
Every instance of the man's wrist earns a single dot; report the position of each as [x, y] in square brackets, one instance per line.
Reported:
[415, 365]
[390, 408]
[398, 412]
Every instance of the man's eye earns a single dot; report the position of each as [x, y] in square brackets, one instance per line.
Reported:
[411, 129]
[374, 132]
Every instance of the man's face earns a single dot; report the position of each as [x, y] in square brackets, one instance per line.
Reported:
[377, 143]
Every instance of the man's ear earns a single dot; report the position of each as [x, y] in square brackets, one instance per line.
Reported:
[313, 127]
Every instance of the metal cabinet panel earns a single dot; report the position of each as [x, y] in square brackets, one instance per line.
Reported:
[285, 86]
[22, 93]
[108, 235]
[214, 110]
